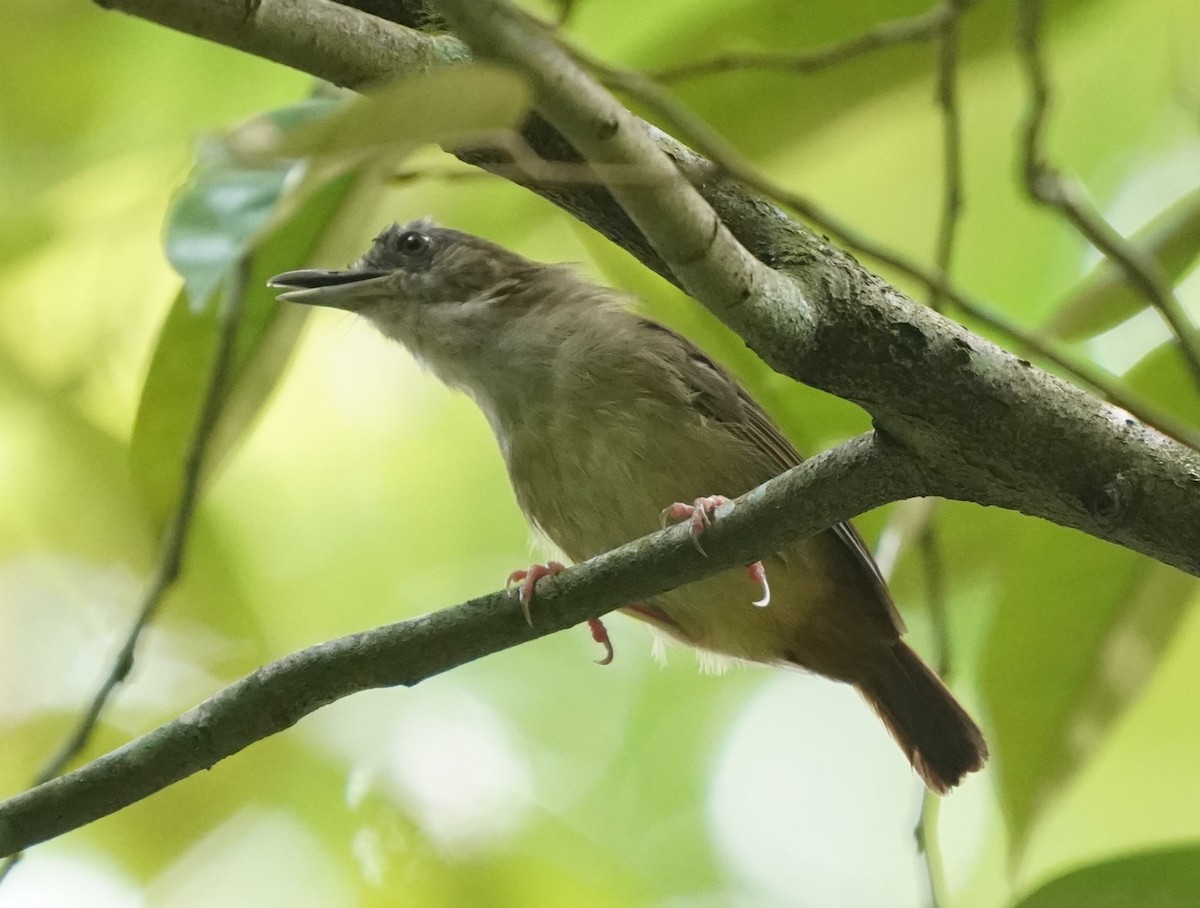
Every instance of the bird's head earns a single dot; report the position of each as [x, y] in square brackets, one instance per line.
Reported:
[479, 316]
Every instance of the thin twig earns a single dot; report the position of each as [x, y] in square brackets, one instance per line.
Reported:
[1048, 186]
[921, 27]
[566, 10]
[175, 539]
[925, 833]
[705, 140]
[445, 174]
[935, 589]
[952, 154]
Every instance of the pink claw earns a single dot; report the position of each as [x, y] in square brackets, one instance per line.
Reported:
[528, 579]
[600, 635]
[700, 513]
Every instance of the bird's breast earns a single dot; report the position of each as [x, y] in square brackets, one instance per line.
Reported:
[594, 480]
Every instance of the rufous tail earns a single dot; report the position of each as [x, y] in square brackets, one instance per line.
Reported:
[941, 741]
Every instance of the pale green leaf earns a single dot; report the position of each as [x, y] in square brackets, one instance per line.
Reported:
[174, 386]
[1163, 377]
[1104, 298]
[1080, 626]
[226, 202]
[445, 106]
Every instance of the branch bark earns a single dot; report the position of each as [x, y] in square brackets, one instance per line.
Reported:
[329, 40]
[993, 428]
[858, 475]
[958, 416]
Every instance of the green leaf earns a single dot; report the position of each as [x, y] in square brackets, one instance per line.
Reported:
[174, 386]
[1163, 377]
[226, 203]
[245, 199]
[1169, 878]
[210, 226]
[1080, 626]
[446, 105]
[1104, 298]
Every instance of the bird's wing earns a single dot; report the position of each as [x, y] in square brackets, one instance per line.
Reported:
[719, 397]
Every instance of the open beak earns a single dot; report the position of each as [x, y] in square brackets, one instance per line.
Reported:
[336, 289]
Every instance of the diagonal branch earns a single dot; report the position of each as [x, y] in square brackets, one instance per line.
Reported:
[998, 431]
[959, 417]
[859, 474]
[995, 429]
[327, 39]
[703, 137]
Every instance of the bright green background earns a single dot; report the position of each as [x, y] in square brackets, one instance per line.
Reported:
[365, 493]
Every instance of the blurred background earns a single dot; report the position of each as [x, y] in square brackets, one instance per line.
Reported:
[362, 492]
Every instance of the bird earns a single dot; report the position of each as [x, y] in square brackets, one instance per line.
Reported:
[604, 418]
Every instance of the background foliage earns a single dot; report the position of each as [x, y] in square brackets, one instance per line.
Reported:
[363, 492]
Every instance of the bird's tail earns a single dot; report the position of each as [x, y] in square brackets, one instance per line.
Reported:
[941, 741]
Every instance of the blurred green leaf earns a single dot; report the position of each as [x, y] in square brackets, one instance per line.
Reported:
[145, 840]
[242, 199]
[227, 201]
[1169, 878]
[1163, 377]
[214, 219]
[445, 105]
[1104, 298]
[1080, 626]
[174, 386]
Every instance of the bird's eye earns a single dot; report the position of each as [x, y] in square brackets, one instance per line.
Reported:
[411, 241]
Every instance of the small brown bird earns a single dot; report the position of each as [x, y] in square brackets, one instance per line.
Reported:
[604, 418]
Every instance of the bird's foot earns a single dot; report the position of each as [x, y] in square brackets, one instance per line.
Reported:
[600, 635]
[527, 579]
[700, 512]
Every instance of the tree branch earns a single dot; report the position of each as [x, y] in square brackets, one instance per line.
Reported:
[703, 137]
[858, 475]
[999, 431]
[327, 39]
[961, 417]
[993, 428]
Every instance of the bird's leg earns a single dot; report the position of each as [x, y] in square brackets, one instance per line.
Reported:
[700, 513]
[528, 579]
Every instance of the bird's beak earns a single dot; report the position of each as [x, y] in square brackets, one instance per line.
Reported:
[337, 289]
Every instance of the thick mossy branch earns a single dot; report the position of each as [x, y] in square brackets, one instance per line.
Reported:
[988, 427]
